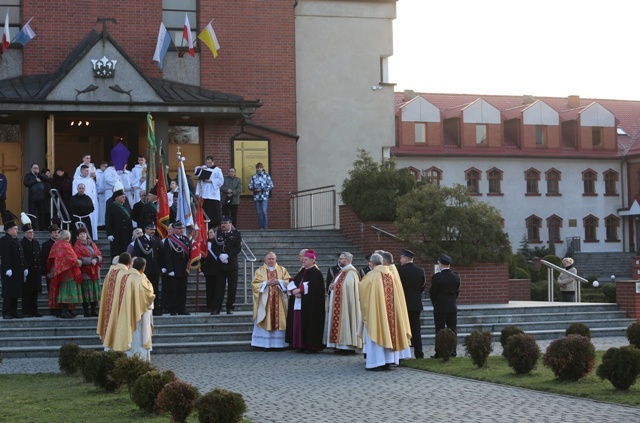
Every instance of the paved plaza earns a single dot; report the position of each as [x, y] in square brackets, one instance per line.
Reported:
[289, 387]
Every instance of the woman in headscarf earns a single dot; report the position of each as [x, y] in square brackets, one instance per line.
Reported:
[91, 257]
[567, 283]
[64, 290]
[305, 319]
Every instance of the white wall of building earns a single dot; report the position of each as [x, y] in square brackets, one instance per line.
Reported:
[515, 207]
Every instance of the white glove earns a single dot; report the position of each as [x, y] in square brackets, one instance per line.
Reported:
[164, 270]
[26, 272]
[224, 258]
[110, 238]
[94, 261]
[172, 273]
[9, 272]
[201, 273]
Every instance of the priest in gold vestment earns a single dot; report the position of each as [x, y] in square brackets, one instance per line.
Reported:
[270, 304]
[386, 332]
[125, 322]
[344, 309]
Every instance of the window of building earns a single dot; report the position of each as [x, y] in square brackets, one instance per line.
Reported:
[590, 224]
[481, 134]
[494, 176]
[512, 132]
[554, 223]
[420, 133]
[384, 69]
[12, 7]
[173, 12]
[473, 181]
[596, 136]
[570, 134]
[541, 135]
[610, 182]
[532, 176]
[433, 175]
[534, 223]
[612, 223]
[553, 181]
[589, 178]
[415, 172]
[451, 131]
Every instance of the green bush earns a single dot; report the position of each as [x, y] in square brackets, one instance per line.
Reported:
[633, 334]
[445, 344]
[146, 388]
[86, 364]
[220, 406]
[67, 358]
[522, 353]
[478, 346]
[518, 266]
[620, 366]
[177, 398]
[570, 358]
[609, 291]
[506, 333]
[553, 259]
[102, 364]
[578, 329]
[520, 273]
[539, 290]
[128, 369]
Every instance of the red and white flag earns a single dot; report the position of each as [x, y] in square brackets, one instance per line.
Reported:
[6, 36]
[186, 34]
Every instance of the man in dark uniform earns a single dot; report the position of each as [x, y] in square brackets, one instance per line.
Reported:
[445, 288]
[175, 253]
[148, 211]
[118, 223]
[80, 207]
[332, 272]
[33, 263]
[149, 247]
[13, 271]
[54, 231]
[136, 210]
[413, 283]
[366, 269]
[226, 245]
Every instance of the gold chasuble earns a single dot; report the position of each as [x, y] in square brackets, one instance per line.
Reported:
[270, 305]
[384, 311]
[345, 309]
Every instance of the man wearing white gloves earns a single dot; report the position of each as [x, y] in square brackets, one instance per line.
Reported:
[13, 270]
[175, 254]
[226, 245]
[118, 222]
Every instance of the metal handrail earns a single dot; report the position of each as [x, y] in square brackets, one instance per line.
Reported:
[56, 204]
[251, 258]
[382, 231]
[313, 208]
[550, 268]
[296, 193]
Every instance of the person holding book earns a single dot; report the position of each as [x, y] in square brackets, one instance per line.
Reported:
[210, 179]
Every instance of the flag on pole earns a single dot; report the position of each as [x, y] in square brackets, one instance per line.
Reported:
[186, 34]
[162, 218]
[6, 35]
[162, 45]
[208, 37]
[152, 153]
[184, 197]
[25, 35]
[199, 248]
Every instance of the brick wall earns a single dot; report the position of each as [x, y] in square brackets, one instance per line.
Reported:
[483, 283]
[519, 290]
[627, 298]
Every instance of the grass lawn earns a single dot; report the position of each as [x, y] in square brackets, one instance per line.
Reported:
[497, 370]
[57, 397]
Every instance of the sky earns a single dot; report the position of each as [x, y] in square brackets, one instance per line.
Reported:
[543, 48]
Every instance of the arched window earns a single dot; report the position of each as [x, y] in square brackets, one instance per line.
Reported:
[610, 182]
[553, 181]
[590, 224]
[494, 176]
[534, 223]
[612, 224]
[433, 175]
[589, 178]
[554, 223]
[532, 176]
[473, 181]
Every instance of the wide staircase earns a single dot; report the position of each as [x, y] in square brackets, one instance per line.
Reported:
[604, 265]
[202, 332]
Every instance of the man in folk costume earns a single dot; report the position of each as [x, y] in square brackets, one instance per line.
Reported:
[33, 282]
[385, 332]
[149, 247]
[118, 222]
[47, 268]
[344, 309]
[125, 324]
[269, 304]
[175, 253]
[90, 190]
[14, 271]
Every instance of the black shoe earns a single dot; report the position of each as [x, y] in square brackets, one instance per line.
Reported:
[435, 356]
[18, 316]
[420, 355]
[229, 311]
[7, 317]
[27, 316]
[216, 311]
[38, 315]
[173, 314]
[185, 313]
[454, 354]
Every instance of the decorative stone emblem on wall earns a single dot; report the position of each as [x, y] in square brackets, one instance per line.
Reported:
[104, 68]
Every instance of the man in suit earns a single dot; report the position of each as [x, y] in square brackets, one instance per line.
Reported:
[118, 223]
[149, 247]
[413, 283]
[14, 271]
[226, 245]
[444, 291]
[175, 254]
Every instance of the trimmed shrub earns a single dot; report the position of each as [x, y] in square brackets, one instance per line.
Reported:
[633, 334]
[103, 363]
[570, 358]
[506, 333]
[578, 329]
[539, 290]
[128, 369]
[220, 406]
[85, 363]
[177, 398]
[67, 358]
[147, 387]
[478, 346]
[445, 343]
[522, 353]
[620, 366]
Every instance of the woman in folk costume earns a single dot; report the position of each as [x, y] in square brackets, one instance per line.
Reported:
[91, 257]
[269, 304]
[64, 290]
[306, 314]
